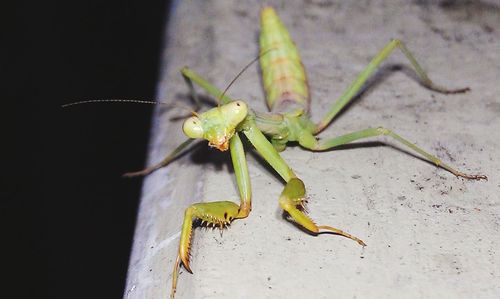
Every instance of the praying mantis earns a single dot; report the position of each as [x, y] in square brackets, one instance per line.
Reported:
[288, 98]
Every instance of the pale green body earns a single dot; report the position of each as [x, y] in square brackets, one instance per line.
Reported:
[283, 74]
[288, 98]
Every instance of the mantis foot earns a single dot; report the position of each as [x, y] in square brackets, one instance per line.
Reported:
[457, 173]
[476, 177]
[143, 172]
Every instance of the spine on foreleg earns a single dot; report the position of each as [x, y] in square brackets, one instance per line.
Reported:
[283, 74]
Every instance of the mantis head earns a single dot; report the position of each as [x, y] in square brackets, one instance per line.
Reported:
[216, 125]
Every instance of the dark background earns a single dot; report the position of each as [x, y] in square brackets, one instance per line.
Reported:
[67, 215]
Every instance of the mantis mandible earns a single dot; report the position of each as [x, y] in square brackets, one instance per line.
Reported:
[288, 99]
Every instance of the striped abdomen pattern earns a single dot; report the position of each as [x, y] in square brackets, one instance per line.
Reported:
[283, 74]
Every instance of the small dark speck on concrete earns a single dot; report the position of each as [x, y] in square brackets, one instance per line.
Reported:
[488, 28]
[356, 176]
[269, 278]
[241, 13]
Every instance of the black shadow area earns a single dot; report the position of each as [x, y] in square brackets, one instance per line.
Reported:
[67, 215]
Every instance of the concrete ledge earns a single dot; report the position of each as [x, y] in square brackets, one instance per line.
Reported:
[429, 234]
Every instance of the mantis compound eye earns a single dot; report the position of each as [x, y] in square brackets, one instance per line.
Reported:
[236, 112]
[192, 127]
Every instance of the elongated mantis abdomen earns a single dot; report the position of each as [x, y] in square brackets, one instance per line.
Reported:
[283, 74]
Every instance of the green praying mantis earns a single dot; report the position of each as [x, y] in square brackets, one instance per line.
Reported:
[288, 99]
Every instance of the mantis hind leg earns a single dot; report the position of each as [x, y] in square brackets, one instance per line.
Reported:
[310, 142]
[356, 86]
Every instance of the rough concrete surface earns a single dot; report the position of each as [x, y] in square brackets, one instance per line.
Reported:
[429, 234]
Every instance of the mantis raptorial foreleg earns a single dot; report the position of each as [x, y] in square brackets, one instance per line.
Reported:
[292, 198]
[356, 86]
[242, 176]
[216, 214]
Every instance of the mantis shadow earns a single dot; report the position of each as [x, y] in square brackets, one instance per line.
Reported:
[206, 155]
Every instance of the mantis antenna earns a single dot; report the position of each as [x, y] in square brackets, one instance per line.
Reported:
[241, 72]
[172, 105]
[177, 105]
